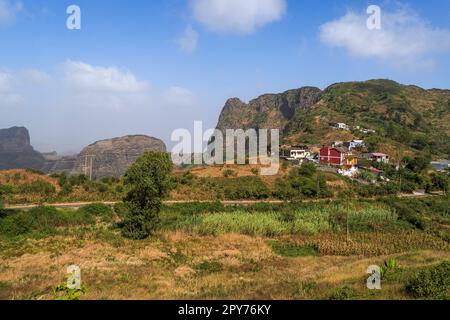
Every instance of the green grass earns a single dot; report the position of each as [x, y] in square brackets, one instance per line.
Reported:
[271, 221]
[291, 250]
[47, 221]
[208, 267]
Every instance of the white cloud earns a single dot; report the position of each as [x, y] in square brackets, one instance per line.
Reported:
[237, 16]
[404, 38]
[8, 10]
[8, 89]
[178, 97]
[188, 41]
[83, 76]
[37, 77]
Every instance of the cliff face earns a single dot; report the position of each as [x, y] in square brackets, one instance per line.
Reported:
[15, 139]
[112, 157]
[16, 151]
[270, 111]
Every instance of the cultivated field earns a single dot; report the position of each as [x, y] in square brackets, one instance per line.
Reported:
[208, 251]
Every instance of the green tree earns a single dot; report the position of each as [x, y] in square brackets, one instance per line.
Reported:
[440, 181]
[148, 182]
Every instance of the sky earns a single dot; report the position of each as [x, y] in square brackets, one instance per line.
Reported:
[150, 67]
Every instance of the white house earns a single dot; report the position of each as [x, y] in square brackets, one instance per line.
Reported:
[340, 126]
[378, 157]
[356, 144]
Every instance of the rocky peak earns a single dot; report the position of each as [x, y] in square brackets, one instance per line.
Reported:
[15, 139]
[16, 151]
[112, 157]
[267, 111]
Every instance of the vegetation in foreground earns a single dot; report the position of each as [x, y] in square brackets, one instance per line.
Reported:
[142, 249]
[199, 251]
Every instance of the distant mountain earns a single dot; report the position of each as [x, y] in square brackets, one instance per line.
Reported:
[406, 118]
[16, 151]
[111, 158]
[103, 158]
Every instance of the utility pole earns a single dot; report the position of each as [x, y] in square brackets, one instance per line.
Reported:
[88, 169]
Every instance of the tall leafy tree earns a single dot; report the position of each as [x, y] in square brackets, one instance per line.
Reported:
[148, 182]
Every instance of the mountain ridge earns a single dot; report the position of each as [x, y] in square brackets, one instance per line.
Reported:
[409, 117]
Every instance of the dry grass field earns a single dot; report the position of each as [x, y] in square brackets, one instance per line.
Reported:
[254, 258]
[176, 265]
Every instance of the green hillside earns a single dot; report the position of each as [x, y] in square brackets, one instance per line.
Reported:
[406, 119]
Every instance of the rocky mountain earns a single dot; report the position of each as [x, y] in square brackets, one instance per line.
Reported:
[267, 111]
[108, 158]
[406, 118]
[16, 151]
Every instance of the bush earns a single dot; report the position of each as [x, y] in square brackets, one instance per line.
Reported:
[148, 181]
[120, 209]
[40, 187]
[229, 173]
[432, 283]
[40, 220]
[186, 179]
[6, 189]
[345, 293]
[247, 188]
[390, 266]
[302, 182]
[96, 210]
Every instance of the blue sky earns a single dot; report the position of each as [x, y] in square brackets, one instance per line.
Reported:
[151, 67]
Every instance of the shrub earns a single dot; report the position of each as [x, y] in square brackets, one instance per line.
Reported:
[38, 187]
[148, 181]
[120, 209]
[388, 267]
[96, 210]
[6, 189]
[432, 283]
[63, 292]
[345, 293]
[227, 173]
[187, 178]
[247, 188]
[302, 182]
[42, 221]
[66, 189]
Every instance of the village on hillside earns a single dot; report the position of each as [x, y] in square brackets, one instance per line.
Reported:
[349, 158]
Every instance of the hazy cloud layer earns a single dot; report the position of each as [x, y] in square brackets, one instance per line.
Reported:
[237, 16]
[404, 38]
[188, 41]
[82, 103]
[8, 94]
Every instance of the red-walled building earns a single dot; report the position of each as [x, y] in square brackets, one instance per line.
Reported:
[336, 157]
